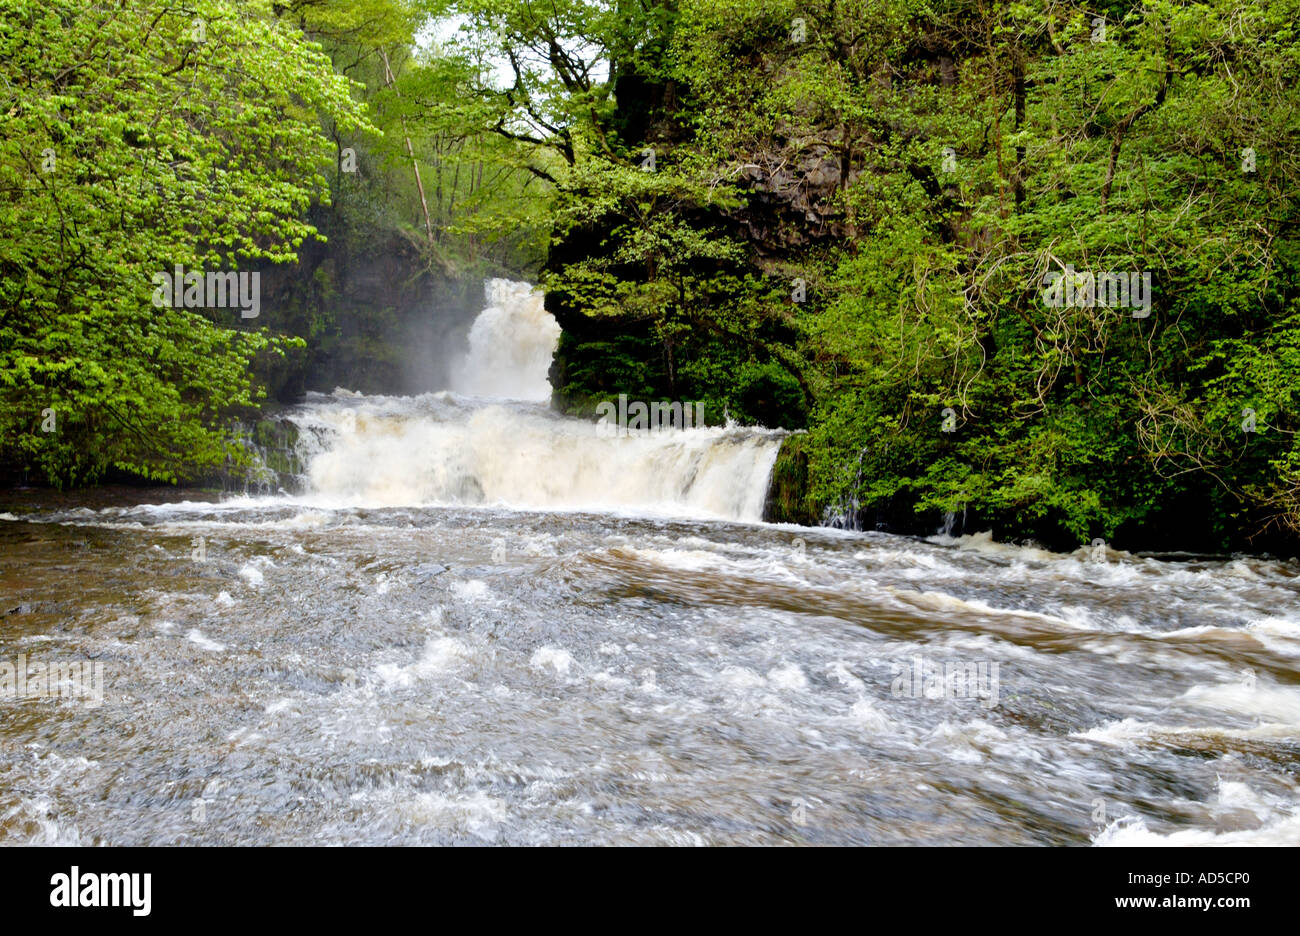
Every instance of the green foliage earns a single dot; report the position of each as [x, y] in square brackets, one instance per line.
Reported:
[1124, 154]
[674, 168]
[134, 138]
[921, 166]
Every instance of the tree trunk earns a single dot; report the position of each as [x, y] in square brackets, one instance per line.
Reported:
[424, 204]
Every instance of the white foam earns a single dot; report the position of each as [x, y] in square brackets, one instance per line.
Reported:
[1279, 634]
[1236, 795]
[473, 591]
[610, 681]
[1133, 831]
[865, 713]
[839, 671]
[941, 601]
[1249, 698]
[475, 813]
[738, 677]
[197, 637]
[788, 676]
[985, 543]
[440, 655]
[555, 658]
[1132, 731]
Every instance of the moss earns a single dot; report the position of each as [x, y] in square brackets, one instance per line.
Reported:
[788, 499]
[277, 444]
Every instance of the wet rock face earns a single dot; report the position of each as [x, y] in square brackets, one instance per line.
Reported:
[791, 200]
[790, 208]
[374, 318]
[790, 188]
[268, 464]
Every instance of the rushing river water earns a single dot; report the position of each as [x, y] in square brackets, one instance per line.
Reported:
[482, 623]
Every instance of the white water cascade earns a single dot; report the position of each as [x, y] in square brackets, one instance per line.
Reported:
[492, 440]
[510, 346]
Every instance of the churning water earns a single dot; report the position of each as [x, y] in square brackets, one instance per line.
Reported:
[510, 346]
[482, 622]
[448, 450]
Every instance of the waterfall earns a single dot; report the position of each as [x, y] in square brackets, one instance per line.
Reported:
[510, 346]
[492, 439]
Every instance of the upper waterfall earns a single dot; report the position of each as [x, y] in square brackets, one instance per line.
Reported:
[510, 346]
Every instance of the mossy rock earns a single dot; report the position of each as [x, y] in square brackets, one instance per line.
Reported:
[788, 500]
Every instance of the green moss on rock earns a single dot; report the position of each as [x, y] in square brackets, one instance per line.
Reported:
[788, 499]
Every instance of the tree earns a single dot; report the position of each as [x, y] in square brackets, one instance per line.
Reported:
[135, 138]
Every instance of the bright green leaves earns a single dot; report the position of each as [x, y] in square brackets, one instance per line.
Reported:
[977, 148]
[134, 138]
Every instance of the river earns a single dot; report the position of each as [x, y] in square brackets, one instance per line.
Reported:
[481, 622]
